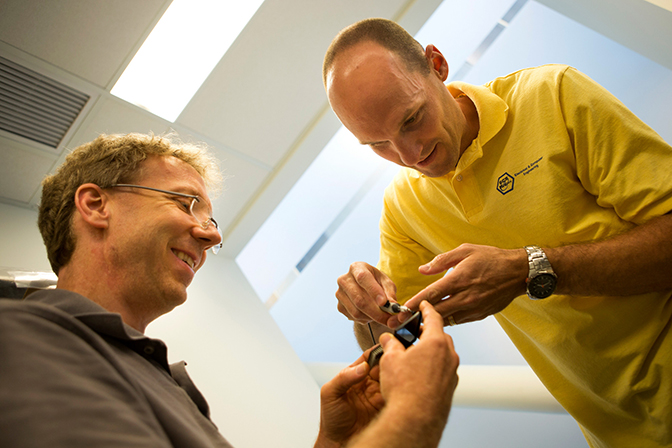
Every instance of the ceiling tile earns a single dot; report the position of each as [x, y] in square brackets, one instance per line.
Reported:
[111, 115]
[21, 171]
[267, 89]
[92, 39]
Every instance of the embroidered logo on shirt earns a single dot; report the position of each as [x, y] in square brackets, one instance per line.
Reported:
[529, 168]
[505, 183]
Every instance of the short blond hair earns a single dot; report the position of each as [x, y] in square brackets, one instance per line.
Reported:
[107, 160]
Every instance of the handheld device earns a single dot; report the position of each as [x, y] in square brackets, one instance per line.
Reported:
[406, 333]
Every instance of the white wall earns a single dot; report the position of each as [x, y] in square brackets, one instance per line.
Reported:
[20, 241]
[260, 393]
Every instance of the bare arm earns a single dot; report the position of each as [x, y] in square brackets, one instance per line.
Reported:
[635, 262]
[486, 279]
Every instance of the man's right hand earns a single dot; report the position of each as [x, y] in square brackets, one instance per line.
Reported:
[423, 373]
[362, 291]
[417, 385]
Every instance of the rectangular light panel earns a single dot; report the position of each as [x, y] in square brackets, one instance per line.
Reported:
[181, 51]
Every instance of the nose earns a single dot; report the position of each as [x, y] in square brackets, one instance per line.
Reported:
[210, 236]
[408, 149]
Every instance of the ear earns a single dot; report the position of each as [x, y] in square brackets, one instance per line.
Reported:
[92, 204]
[437, 61]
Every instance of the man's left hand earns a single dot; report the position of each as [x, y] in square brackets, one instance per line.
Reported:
[349, 402]
[483, 281]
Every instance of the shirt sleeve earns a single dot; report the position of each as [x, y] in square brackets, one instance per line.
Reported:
[58, 391]
[624, 163]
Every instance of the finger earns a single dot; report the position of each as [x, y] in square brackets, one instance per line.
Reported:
[432, 321]
[372, 285]
[345, 379]
[388, 286]
[355, 304]
[433, 293]
[363, 290]
[344, 311]
[441, 263]
[390, 344]
[365, 355]
[397, 319]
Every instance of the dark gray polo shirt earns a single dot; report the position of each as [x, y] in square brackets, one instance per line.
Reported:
[74, 375]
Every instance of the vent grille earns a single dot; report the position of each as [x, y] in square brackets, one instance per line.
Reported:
[36, 107]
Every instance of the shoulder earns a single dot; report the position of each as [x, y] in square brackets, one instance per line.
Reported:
[32, 315]
[545, 77]
[544, 74]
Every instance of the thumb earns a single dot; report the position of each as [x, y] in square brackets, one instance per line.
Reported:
[390, 343]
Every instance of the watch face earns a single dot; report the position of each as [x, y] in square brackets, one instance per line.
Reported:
[542, 286]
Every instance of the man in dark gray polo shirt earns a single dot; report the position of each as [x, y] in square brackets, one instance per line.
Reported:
[127, 222]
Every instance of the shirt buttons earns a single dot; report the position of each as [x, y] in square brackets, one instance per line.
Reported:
[149, 350]
[459, 178]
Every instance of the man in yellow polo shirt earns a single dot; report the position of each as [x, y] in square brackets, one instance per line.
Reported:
[548, 198]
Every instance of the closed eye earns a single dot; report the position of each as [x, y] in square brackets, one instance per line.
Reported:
[413, 119]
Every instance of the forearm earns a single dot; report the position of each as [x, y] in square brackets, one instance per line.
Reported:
[394, 428]
[403, 426]
[635, 262]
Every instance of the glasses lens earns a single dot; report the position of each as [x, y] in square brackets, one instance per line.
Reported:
[200, 210]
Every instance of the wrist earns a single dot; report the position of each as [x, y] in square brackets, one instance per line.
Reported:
[541, 279]
[425, 421]
[325, 442]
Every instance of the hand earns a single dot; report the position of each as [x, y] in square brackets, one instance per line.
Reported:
[362, 291]
[419, 382]
[348, 403]
[484, 280]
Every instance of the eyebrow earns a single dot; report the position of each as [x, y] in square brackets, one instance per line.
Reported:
[408, 113]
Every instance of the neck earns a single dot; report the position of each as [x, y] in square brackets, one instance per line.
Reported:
[99, 288]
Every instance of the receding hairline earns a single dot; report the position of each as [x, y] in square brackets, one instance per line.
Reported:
[383, 32]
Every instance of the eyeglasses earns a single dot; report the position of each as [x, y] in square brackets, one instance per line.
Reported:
[195, 207]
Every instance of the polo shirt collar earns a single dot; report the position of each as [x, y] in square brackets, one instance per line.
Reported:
[102, 322]
[492, 115]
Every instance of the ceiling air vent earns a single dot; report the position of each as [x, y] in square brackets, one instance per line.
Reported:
[36, 107]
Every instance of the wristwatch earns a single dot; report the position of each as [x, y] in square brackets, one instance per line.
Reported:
[541, 279]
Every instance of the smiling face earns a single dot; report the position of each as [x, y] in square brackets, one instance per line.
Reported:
[155, 246]
[405, 116]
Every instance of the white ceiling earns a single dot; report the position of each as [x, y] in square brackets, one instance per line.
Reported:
[262, 109]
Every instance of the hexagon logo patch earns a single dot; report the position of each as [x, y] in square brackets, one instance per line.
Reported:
[505, 183]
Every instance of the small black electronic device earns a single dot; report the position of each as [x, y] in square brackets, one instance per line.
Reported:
[406, 333]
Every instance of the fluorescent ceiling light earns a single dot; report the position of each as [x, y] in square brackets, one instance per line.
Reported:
[181, 51]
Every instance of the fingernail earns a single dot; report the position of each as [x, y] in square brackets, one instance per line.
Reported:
[381, 300]
[360, 369]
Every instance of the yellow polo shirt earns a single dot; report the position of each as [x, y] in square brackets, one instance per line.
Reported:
[558, 160]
